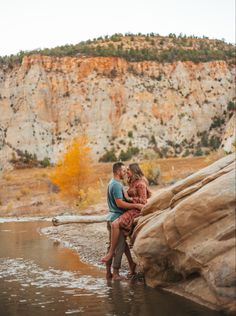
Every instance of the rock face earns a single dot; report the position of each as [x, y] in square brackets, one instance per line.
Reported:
[229, 139]
[186, 238]
[47, 101]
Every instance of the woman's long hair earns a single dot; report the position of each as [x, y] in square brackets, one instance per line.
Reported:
[137, 174]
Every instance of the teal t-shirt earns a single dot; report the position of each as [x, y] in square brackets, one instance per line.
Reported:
[114, 191]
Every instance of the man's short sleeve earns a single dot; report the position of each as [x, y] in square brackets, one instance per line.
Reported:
[117, 191]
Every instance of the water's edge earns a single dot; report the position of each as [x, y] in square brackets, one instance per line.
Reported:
[177, 290]
[90, 257]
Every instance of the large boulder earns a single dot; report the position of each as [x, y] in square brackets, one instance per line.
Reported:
[186, 237]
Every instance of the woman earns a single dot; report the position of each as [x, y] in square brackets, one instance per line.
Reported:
[138, 192]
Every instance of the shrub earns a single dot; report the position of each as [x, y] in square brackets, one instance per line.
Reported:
[24, 160]
[113, 73]
[130, 134]
[198, 152]
[28, 157]
[204, 139]
[152, 171]
[124, 156]
[109, 156]
[88, 197]
[163, 152]
[150, 154]
[214, 142]
[134, 150]
[45, 162]
[231, 106]
[66, 94]
[217, 122]
[131, 151]
[7, 177]
[153, 140]
[24, 191]
[186, 153]
[122, 142]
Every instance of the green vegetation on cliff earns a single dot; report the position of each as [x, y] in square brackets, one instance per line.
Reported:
[139, 47]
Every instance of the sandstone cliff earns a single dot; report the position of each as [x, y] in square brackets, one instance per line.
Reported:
[171, 108]
[186, 238]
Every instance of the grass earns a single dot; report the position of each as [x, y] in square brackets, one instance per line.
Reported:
[7, 177]
[20, 187]
[24, 191]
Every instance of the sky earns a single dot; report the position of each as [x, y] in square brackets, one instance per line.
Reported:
[32, 24]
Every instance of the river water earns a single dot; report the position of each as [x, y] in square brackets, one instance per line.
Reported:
[40, 277]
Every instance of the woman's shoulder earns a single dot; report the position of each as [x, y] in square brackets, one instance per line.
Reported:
[140, 182]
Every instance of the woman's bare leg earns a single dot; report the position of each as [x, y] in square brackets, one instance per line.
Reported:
[115, 232]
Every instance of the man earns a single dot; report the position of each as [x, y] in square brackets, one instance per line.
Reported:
[117, 205]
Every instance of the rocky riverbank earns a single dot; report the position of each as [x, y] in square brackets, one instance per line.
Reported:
[90, 242]
[185, 242]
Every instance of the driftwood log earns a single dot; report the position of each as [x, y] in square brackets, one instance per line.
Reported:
[87, 219]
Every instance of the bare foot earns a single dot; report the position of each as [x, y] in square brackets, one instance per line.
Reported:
[117, 277]
[109, 276]
[106, 258]
[132, 268]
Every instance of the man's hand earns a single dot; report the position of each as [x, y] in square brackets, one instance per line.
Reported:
[122, 204]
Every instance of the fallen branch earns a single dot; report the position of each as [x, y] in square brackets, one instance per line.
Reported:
[62, 220]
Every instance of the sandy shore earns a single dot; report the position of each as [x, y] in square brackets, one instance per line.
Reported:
[89, 240]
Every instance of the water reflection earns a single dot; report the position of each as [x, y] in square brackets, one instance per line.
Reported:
[137, 299]
[38, 277]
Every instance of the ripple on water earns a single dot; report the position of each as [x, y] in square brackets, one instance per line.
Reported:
[73, 311]
[27, 273]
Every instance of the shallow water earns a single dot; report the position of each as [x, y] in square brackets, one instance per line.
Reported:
[39, 277]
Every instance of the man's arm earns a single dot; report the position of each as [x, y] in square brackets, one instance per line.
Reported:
[122, 204]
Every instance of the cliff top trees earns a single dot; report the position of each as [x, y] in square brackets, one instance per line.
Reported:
[139, 47]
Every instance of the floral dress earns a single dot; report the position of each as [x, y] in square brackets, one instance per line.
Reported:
[139, 193]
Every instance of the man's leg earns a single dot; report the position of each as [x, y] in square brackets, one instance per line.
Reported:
[108, 273]
[132, 264]
[109, 262]
[120, 248]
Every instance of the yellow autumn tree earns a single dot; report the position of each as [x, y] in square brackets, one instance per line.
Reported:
[151, 170]
[72, 173]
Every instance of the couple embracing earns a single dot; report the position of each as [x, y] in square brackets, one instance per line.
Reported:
[124, 207]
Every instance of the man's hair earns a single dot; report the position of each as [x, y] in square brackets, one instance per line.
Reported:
[117, 166]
